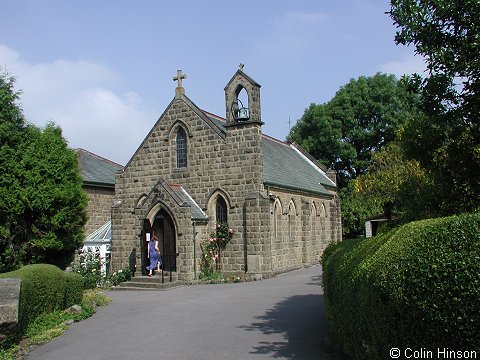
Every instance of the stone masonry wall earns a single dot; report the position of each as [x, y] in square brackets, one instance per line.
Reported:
[232, 163]
[256, 234]
[301, 243]
[100, 201]
[253, 91]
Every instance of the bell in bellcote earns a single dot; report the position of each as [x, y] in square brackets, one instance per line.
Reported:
[240, 112]
[243, 114]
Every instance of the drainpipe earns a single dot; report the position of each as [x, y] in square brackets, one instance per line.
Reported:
[194, 253]
[111, 241]
[244, 225]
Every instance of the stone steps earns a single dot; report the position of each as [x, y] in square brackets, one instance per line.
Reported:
[149, 283]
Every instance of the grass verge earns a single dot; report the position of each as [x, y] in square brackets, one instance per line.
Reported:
[48, 326]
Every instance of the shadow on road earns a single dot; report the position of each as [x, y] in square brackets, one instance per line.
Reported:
[316, 280]
[301, 321]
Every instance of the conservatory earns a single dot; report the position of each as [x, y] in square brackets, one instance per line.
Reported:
[100, 242]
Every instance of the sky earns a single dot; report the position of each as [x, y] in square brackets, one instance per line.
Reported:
[103, 70]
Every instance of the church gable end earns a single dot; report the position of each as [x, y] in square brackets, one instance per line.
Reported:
[195, 169]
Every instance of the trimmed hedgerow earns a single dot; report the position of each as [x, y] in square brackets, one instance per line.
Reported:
[73, 289]
[415, 287]
[42, 290]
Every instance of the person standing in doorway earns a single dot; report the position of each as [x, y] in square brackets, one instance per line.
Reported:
[153, 255]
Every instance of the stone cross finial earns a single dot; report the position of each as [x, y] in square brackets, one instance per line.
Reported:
[240, 67]
[179, 90]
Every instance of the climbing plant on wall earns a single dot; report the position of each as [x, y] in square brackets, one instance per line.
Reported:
[213, 247]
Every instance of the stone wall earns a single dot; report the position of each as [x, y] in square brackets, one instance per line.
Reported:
[100, 201]
[240, 81]
[301, 227]
[9, 304]
[227, 163]
[230, 163]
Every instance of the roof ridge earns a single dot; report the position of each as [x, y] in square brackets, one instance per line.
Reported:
[220, 131]
[98, 156]
[276, 140]
[194, 206]
[309, 156]
[320, 167]
[218, 117]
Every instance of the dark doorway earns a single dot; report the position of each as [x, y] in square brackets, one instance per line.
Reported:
[147, 229]
[164, 227]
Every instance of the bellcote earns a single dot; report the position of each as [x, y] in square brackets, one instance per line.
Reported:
[240, 112]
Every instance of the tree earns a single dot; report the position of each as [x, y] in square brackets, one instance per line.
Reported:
[356, 208]
[446, 140]
[393, 185]
[42, 204]
[12, 127]
[363, 117]
[400, 185]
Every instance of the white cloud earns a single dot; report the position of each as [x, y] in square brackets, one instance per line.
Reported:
[79, 96]
[408, 64]
[292, 32]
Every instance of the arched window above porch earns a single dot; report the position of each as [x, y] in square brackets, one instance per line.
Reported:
[221, 210]
[181, 146]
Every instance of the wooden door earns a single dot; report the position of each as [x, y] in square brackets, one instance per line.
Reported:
[169, 245]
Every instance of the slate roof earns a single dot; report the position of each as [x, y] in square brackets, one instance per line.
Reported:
[217, 120]
[195, 210]
[96, 170]
[285, 165]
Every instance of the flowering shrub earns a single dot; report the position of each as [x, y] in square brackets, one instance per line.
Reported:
[89, 264]
[207, 260]
[212, 248]
[120, 276]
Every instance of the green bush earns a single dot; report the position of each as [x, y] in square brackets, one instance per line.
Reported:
[417, 286]
[209, 275]
[95, 297]
[42, 290]
[73, 289]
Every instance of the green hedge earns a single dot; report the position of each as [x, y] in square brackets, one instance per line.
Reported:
[415, 287]
[44, 289]
[73, 289]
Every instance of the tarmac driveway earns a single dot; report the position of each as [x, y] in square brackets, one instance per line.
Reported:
[281, 318]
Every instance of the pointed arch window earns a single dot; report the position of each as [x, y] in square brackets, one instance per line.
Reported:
[291, 219]
[313, 219]
[277, 213]
[181, 148]
[221, 210]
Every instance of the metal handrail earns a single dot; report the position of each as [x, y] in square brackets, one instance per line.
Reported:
[171, 258]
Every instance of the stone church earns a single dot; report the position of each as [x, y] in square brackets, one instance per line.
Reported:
[195, 169]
